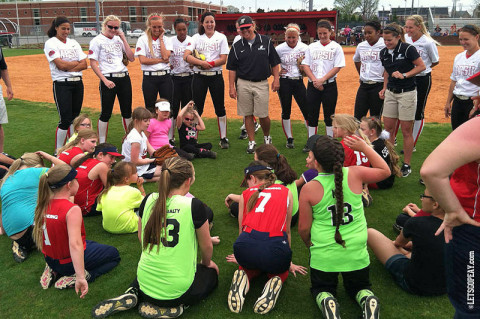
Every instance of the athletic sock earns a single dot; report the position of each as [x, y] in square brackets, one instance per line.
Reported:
[329, 130]
[102, 129]
[171, 131]
[417, 130]
[60, 138]
[126, 123]
[362, 295]
[222, 126]
[71, 131]
[322, 296]
[312, 130]
[287, 128]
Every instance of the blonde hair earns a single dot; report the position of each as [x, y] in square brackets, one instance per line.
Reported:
[117, 176]
[107, 19]
[78, 120]
[45, 194]
[148, 31]
[85, 134]
[292, 27]
[350, 124]
[27, 159]
[418, 21]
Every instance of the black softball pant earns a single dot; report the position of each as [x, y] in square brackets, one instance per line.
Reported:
[292, 88]
[327, 98]
[200, 85]
[68, 99]
[353, 281]
[368, 99]
[424, 83]
[196, 148]
[182, 92]
[156, 85]
[460, 111]
[122, 90]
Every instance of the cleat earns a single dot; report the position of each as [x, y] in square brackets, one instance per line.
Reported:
[330, 308]
[371, 308]
[66, 282]
[290, 143]
[306, 149]
[267, 139]
[397, 228]
[172, 142]
[121, 303]
[19, 253]
[224, 143]
[47, 278]
[257, 126]
[148, 310]
[251, 147]
[243, 135]
[406, 170]
[269, 296]
[238, 291]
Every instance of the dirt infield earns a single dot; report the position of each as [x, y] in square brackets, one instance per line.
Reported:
[31, 81]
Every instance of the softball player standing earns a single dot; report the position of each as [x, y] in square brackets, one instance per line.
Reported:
[66, 60]
[106, 55]
[418, 36]
[153, 51]
[208, 73]
[291, 80]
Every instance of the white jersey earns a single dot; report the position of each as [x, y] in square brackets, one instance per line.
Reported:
[371, 68]
[289, 57]
[428, 51]
[142, 49]
[322, 58]
[136, 137]
[463, 68]
[68, 51]
[176, 58]
[108, 52]
[211, 47]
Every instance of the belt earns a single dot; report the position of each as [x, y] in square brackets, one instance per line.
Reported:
[371, 82]
[292, 77]
[182, 74]
[72, 79]
[208, 73]
[252, 80]
[422, 75]
[116, 75]
[329, 81]
[462, 97]
[397, 91]
[156, 73]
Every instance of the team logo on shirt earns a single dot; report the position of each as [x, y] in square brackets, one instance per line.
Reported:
[66, 54]
[205, 46]
[323, 55]
[112, 47]
[90, 51]
[465, 70]
[51, 53]
[138, 49]
[261, 48]
[370, 56]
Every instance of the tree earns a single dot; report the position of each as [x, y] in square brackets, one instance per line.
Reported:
[232, 9]
[260, 10]
[368, 8]
[346, 7]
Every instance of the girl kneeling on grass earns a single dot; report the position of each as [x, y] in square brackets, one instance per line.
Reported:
[330, 200]
[73, 151]
[118, 201]
[60, 234]
[170, 227]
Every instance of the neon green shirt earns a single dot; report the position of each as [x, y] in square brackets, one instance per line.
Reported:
[117, 207]
[73, 137]
[294, 190]
[326, 254]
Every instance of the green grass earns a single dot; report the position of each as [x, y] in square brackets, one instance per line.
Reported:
[32, 127]
[15, 52]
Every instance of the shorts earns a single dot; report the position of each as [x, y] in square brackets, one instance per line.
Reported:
[400, 106]
[252, 98]
[3, 109]
[396, 266]
[150, 171]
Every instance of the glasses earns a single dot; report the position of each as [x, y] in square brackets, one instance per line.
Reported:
[111, 27]
[85, 125]
[422, 196]
[188, 119]
[244, 28]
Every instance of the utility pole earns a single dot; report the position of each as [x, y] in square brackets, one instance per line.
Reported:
[97, 19]
[310, 5]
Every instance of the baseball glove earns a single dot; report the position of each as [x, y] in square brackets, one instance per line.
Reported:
[125, 59]
[299, 63]
[199, 56]
[163, 153]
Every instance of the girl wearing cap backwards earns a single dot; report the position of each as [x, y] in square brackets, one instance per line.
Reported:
[332, 223]
[59, 233]
[92, 176]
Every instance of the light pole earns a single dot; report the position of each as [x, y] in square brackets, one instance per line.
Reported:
[18, 19]
[209, 6]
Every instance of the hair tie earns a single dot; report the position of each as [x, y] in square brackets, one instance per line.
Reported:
[168, 170]
[46, 174]
[112, 170]
[21, 159]
[278, 155]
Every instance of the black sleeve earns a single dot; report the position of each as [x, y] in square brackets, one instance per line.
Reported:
[409, 227]
[273, 57]
[3, 64]
[232, 62]
[142, 205]
[412, 53]
[382, 54]
[199, 215]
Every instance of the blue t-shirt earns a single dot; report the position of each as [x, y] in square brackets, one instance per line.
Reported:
[19, 198]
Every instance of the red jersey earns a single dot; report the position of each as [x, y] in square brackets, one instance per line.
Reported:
[354, 158]
[68, 155]
[88, 190]
[55, 233]
[465, 183]
[269, 213]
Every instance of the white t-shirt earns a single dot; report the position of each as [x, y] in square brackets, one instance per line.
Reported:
[108, 52]
[428, 51]
[68, 51]
[135, 137]
[211, 47]
[176, 58]
[322, 58]
[289, 57]
[371, 68]
[464, 68]
[142, 49]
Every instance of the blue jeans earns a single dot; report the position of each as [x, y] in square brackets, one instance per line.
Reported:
[396, 266]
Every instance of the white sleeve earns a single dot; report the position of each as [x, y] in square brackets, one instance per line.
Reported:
[141, 47]
[307, 60]
[356, 56]
[339, 58]
[51, 52]
[453, 76]
[134, 137]
[81, 54]
[168, 43]
[94, 49]
[433, 52]
[224, 45]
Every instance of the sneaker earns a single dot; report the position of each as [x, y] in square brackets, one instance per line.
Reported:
[257, 126]
[251, 147]
[148, 310]
[406, 170]
[306, 149]
[243, 135]
[66, 282]
[397, 228]
[267, 139]
[172, 142]
[224, 143]
[47, 278]
[269, 296]
[290, 143]
[366, 199]
[330, 308]
[242, 127]
[238, 291]
[19, 253]
[371, 308]
[414, 150]
[121, 303]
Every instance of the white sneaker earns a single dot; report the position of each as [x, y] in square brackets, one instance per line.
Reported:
[267, 139]
[251, 147]
[257, 126]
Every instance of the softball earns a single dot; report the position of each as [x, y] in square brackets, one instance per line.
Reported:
[202, 57]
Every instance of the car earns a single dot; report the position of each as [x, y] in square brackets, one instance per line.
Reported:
[357, 29]
[136, 33]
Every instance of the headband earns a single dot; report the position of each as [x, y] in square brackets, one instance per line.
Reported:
[155, 16]
[69, 177]
[292, 27]
[391, 29]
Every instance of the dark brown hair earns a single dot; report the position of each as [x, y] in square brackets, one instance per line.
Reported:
[56, 23]
[117, 175]
[277, 161]
[267, 175]
[201, 29]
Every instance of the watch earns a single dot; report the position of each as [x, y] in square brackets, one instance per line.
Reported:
[404, 75]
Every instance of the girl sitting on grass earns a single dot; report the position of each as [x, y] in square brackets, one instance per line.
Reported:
[119, 201]
[73, 151]
[72, 261]
[81, 122]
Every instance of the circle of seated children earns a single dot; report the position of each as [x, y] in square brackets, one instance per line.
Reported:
[188, 282]
[59, 232]
[81, 122]
[18, 193]
[73, 151]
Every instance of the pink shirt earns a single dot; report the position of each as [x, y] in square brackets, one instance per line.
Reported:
[159, 132]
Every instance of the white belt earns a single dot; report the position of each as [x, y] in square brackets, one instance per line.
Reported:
[72, 79]
[292, 77]
[209, 73]
[156, 73]
[116, 75]
[462, 97]
[371, 82]
[182, 74]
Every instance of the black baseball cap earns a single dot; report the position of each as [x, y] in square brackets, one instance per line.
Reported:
[251, 169]
[245, 21]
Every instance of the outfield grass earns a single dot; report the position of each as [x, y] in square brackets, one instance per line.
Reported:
[32, 127]
[15, 52]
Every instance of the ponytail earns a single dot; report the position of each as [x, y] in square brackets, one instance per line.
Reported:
[27, 159]
[269, 154]
[117, 176]
[152, 16]
[262, 172]
[55, 24]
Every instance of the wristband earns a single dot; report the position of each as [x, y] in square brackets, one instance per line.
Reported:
[212, 63]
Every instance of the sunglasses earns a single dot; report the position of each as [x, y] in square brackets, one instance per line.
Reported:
[188, 119]
[244, 28]
[111, 27]
[422, 196]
